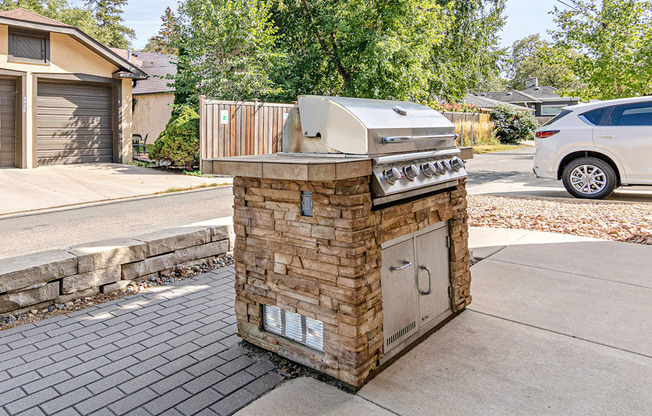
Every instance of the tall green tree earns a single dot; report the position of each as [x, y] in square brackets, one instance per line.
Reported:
[373, 49]
[228, 48]
[163, 42]
[612, 40]
[469, 53]
[111, 30]
[529, 58]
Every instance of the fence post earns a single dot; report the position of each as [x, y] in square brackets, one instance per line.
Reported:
[462, 134]
[472, 124]
[202, 131]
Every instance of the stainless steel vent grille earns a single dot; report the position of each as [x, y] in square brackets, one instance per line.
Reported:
[296, 327]
[401, 333]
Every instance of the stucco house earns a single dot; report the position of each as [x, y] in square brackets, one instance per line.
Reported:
[545, 100]
[153, 97]
[65, 98]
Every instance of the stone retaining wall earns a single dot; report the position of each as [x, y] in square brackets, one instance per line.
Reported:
[58, 276]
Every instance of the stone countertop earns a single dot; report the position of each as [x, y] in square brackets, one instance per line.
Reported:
[292, 167]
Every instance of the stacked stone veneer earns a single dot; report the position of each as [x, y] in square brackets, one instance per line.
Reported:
[58, 276]
[327, 267]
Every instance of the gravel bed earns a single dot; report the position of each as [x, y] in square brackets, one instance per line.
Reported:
[629, 222]
[179, 273]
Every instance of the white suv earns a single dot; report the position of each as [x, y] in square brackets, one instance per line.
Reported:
[595, 148]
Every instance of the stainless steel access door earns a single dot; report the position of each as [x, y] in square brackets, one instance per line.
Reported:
[433, 275]
[400, 296]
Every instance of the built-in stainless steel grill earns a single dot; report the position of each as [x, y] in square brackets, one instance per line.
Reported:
[412, 146]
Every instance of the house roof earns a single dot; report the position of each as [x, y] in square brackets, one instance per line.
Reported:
[157, 65]
[29, 20]
[485, 102]
[546, 93]
[29, 16]
[511, 96]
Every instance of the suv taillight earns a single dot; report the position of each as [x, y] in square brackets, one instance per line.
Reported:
[544, 134]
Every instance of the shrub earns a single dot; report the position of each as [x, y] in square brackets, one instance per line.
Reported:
[513, 126]
[179, 142]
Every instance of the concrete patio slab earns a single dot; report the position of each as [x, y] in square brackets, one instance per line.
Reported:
[485, 242]
[600, 259]
[309, 397]
[64, 185]
[602, 311]
[479, 364]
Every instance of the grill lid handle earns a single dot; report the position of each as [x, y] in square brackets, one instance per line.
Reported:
[410, 139]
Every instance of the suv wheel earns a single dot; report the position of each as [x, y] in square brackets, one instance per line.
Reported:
[589, 177]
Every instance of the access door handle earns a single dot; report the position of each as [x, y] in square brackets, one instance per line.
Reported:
[427, 269]
[606, 136]
[405, 265]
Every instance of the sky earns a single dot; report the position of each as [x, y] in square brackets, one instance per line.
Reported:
[524, 17]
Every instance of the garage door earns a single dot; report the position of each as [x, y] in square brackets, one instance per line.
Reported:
[74, 123]
[7, 123]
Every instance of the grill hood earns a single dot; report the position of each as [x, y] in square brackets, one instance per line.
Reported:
[364, 127]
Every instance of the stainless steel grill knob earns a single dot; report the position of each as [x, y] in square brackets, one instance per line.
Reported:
[447, 165]
[392, 175]
[440, 169]
[428, 169]
[457, 164]
[411, 172]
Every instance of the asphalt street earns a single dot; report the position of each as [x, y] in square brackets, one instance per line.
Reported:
[127, 218]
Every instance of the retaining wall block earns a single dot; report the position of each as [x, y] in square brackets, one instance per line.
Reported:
[91, 279]
[166, 241]
[104, 254]
[40, 293]
[18, 273]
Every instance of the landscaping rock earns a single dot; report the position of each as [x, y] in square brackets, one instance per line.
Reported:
[200, 252]
[150, 265]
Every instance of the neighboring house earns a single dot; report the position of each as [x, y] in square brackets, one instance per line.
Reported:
[64, 97]
[544, 100]
[153, 97]
[487, 104]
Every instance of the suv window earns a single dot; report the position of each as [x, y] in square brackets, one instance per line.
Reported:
[639, 114]
[563, 113]
[593, 117]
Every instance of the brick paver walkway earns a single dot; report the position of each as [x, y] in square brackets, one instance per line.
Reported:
[172, 350]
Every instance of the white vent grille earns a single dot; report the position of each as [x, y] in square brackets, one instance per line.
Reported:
[296, 327]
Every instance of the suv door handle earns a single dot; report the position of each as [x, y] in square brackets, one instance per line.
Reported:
[606, 136]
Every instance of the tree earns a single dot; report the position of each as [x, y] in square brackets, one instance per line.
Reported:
[372, 49]
[529, 59]
[468, 54]
[164, 41]
[111, 31]
[228, 48]
[612, 40]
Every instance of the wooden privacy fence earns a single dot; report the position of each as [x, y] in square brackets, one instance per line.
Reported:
[232, 128]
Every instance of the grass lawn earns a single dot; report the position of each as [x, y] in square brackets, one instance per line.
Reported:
[490, 148]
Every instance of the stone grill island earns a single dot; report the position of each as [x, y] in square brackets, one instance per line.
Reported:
[352, 245]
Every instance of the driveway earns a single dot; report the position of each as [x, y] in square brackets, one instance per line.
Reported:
[558, 325]
[510, 173]
[59, 186]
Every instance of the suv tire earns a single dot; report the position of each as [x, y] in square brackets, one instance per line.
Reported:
[589, 178]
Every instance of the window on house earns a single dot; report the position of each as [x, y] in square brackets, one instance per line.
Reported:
[28, 46]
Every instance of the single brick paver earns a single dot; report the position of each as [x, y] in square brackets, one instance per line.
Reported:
[172, 351]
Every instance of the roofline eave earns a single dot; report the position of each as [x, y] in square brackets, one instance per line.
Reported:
[83, 38]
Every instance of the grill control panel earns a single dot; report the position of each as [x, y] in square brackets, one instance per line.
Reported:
[402, 176]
